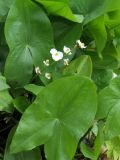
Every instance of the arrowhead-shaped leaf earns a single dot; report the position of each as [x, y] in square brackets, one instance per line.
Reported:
[29, 36]
[61, 114]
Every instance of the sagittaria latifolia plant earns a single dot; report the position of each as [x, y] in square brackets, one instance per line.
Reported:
[59, 79]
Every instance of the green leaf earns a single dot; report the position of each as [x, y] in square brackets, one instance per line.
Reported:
[25, 30]
[65, 33]
[113, 124]
[35, 89]
[55, 121]
[90, 9]
[98, 31]
[21, 103]
[80, 66]
[4, 8]
[5, 101]
[5, 98]
[108, 101]
[109, 59]
[87, 151]
[113, 5]
[29, 155]
[3, 84]
[94, 152]
[102, 77]
[61, 8]
[112, 19]
[113, 147]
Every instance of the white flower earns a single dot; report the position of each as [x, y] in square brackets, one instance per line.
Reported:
[46, 62]
[67, 50]
[56, 55]
[48, 75]
[114, 75]
[37, 70]
[66, 62]
[80, 44]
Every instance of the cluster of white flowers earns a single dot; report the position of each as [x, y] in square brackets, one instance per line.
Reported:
[80, 44]
[57, 56]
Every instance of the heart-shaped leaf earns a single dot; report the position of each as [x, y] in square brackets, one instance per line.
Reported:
[57, 118]
[29, 36]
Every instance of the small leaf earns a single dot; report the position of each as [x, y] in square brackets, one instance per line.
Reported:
[81, 66]
[94, 152]
[5, 101]
[108, 98]
[3, 84]
[21, 103]
[98, 31]
[4, 8]
[35, 89]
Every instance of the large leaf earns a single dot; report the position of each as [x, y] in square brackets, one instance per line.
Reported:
[90, 9]
[29, 36]
[57, 118]
[30, 155]
[60, 8]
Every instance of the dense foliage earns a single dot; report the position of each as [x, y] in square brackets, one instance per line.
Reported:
[59, 79]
